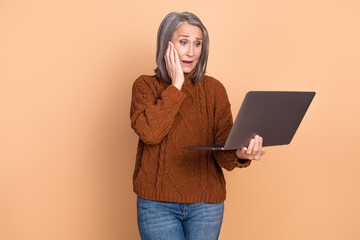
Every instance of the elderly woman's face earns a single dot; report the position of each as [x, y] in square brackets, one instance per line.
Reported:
[187, 40]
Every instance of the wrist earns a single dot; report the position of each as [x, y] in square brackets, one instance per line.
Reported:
[178, 86]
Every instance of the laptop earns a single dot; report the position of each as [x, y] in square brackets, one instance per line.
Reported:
[273, 115]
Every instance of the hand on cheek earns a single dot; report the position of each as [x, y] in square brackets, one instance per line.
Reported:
[173, 66]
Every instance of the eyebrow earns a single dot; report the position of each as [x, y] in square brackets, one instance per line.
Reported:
[188, 36]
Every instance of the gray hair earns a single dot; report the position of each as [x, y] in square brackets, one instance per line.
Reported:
[168, 26]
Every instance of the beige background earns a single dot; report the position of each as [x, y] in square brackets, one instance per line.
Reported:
[67, 150]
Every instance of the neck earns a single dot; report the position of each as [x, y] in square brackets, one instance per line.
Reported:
[189, 74]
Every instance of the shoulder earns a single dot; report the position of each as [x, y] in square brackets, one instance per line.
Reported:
[148, 82]
[144, 80]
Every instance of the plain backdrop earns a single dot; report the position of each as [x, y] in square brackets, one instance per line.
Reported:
[67, 150]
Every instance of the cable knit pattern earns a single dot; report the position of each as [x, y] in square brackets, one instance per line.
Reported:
[166, 120]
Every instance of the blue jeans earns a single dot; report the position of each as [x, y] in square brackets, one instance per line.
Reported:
[179, 221]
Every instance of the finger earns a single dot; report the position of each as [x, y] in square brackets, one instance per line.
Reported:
[263, 152]
[241, 153]
[167, 50]
[256, 144]
[255, 149]
[177, 60]
[243, 150]
[172, 60]
[244, 155]
[250, 147]
[178, 64]
[259, 153]
[166, 56]
[261, 142]
[238, 153]
[259, 146]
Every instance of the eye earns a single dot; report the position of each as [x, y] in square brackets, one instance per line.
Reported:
[198, 44]
[182, 42]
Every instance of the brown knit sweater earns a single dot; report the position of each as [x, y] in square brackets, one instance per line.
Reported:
[166, 120]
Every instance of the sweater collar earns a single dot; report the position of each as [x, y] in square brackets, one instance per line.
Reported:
[188, 77]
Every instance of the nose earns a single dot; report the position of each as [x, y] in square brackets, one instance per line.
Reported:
[190, 51]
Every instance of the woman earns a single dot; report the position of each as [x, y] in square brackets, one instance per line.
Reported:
[181, 192]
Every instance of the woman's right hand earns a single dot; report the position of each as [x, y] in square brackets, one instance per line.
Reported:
[173, 66]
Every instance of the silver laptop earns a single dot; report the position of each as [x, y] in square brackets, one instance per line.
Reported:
[275, 116]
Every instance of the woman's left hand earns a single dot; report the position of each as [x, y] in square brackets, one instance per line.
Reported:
[254, 151]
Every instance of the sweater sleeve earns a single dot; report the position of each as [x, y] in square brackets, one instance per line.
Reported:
[151, 115]
[223, 123]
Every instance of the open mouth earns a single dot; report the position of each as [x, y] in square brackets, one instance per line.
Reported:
[188, 62]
